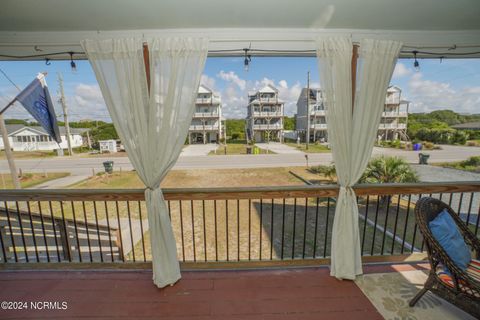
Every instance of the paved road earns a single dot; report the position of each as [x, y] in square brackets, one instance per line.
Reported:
[84, 166]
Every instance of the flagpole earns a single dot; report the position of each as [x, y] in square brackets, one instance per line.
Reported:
[8, 150]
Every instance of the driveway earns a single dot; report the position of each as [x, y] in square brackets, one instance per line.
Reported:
[279, 148]
[198, 149]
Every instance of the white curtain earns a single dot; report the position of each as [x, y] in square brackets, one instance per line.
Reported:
[352, 134]
[152, 126]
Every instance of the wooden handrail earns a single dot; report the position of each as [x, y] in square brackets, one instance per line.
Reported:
[236, 193]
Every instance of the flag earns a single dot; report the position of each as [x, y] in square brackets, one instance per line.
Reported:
[36, 99]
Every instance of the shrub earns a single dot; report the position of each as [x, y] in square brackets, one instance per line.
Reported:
[472, 161]
[428, 145]
[327, 171]
[388, 170]
[395, 143]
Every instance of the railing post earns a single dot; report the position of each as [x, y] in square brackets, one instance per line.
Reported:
[118, 243]
[64, 235]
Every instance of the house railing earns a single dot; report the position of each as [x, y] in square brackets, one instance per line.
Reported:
[392, 100]
[273, 126]
[318, 126]
[267, 114]
[203, 127]
[220, 224]
[392, 126]
[395, 114]
[205, 114]
[318, 112]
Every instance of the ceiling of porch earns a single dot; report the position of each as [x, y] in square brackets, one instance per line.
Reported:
[31, 27]
[54, 15]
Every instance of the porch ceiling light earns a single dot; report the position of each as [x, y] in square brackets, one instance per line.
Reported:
[72, 63]
[248, 59]
[416, 64]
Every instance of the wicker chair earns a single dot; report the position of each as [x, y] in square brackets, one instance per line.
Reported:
[465, 292]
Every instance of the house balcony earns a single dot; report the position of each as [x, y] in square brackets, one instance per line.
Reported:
[397, 126]
[275, 126]
[263, 223]
[206, 115]
[201, 127]
[203, 101]
[98, 232]
[259, 114]
[318, 126]
[392, 100]
[268, 100]
[393, 114]
[317, 112]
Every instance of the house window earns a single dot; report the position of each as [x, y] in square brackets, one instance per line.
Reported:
[19, 139]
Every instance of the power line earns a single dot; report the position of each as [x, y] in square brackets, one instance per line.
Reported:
[11, 81]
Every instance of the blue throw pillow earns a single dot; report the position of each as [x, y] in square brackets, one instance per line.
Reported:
[445, 231]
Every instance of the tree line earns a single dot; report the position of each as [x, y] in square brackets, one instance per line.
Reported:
[436, 127]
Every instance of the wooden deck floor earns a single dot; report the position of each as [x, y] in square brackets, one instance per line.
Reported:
[303, 293]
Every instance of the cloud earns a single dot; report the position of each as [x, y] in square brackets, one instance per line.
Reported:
[87, 102]
[401, 71]
[232, 77]
[427, 95]
[208, 81]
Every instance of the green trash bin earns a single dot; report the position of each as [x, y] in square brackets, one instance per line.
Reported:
[423, 158]
[108, 165]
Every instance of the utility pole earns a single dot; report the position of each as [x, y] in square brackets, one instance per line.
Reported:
[89, 142]
[307, 139]
[65, 115]
[8, 153]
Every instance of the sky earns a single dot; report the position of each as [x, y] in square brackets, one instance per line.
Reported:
[449, 84]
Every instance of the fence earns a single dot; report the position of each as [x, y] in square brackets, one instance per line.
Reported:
[238, 224]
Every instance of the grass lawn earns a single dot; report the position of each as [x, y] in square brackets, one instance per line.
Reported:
[312, 148]
[234, 148]
[199, 178]
[29, 154]
[459, 165]
[30, 179]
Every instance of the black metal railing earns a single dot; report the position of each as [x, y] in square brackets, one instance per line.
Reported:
[247, 224]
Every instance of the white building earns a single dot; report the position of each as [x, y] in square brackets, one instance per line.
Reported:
[265, 115]
[107, 146]
[24, 138]
[393, 124]
[206, 126]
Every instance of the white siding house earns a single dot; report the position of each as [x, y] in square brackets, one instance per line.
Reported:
[206, 126]
[393, 124]
[265, 115]
[23, 138]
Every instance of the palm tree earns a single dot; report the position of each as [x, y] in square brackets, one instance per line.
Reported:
[388, 170]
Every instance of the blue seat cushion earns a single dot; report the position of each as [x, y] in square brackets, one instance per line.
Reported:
[445, 231]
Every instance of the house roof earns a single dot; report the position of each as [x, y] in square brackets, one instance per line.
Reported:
[204, 89]
[468, 125]
[268, 89]
[394, 89]
[16, 128]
